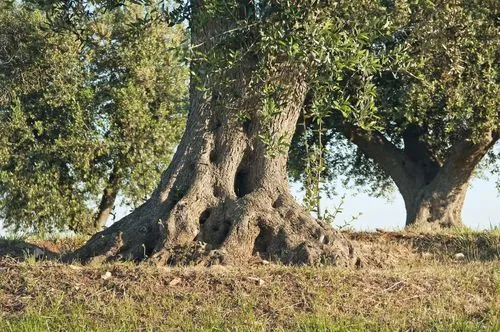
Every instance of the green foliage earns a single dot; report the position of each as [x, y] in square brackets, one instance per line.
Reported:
[76, 108]
[327, 43]
[141, 88]
[330, 41]
[109, 79]
[321, 41]
[453, 90]
[418, 65]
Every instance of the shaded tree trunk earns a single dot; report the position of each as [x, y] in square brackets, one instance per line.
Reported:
[433, 208]
[223, 199]
[107, 201]
[437, 202]
[433, 191]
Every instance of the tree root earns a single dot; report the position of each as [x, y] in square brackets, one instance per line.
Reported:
[231, 232]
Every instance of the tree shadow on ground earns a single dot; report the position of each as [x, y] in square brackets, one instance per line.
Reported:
[22, 250]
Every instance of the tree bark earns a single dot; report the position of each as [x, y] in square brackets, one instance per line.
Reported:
[223, 199]
[107, 201]
[438, 203]
[432, 208]
[433, 191]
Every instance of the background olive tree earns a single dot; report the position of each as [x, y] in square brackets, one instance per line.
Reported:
[432, 104]
[88, 112]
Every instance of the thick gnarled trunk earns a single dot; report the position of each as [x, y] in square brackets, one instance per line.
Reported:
[433, 191]
[223, 199]
[437, 201]
[431, 209]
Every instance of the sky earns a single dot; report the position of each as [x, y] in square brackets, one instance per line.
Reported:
[481, 208]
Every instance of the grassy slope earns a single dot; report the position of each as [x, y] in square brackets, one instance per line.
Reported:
[403, 285]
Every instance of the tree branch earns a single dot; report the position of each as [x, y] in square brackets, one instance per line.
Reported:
[377, 147]
[463, 158]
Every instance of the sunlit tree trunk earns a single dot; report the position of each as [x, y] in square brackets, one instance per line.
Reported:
[433, 191]
[223, 199]
[108, 200]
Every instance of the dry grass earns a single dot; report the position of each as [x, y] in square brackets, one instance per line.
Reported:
[402, 287]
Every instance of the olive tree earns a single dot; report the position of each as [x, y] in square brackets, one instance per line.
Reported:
[432, 109]
[225, 195]
[88, 112]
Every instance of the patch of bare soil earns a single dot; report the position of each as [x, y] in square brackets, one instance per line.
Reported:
[38, 248]
[22, 249]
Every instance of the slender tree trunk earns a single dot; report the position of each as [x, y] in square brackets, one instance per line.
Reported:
[107, 201]
[223, 199]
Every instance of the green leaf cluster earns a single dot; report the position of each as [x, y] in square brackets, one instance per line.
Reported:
[427, 66]
[79, 104]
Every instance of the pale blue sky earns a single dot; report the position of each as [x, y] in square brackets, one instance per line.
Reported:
[481, 208]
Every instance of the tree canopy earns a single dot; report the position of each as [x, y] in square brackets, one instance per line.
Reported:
[431, 95]
[87, 111]
[412, 83]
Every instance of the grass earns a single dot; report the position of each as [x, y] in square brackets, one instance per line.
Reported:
[398, 289]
